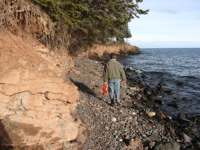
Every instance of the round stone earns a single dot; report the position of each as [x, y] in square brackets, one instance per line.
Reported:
[114, 119]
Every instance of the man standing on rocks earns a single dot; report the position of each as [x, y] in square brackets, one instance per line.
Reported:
[113, 73]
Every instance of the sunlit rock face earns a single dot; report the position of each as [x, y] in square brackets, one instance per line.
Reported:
[38, 107]
[99, 52]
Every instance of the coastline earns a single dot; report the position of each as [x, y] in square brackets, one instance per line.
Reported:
[130, 125]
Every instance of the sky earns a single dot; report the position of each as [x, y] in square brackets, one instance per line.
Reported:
[169, 24]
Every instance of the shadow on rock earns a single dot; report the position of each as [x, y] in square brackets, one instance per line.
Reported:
[85, 89]
[5, 141]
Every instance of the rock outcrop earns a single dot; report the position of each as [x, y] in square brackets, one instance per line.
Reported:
[99, 52]
[37, 106]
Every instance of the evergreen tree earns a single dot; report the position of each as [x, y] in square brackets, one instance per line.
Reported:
[90, 21]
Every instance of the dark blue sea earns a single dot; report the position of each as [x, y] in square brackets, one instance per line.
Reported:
[168, 66]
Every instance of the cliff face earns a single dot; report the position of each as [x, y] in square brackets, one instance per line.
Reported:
[37, 105]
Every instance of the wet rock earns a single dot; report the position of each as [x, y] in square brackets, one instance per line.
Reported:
[159, 101]
[173, 104]
[150, 103]
[143, 76]
[169, 92]
[160, 88]
[140, 84]
[137, 72]
[157, 109]
[160, 116]
[147, 91]
[181, 116]
[183, 120]
[176, 99]
[128, 76]
[186, 99]
[168, 146]
[195, 119]
[134, 80]
[129, 69]
[181, 84]
[151, 98]
[156, 93]
[168, 119]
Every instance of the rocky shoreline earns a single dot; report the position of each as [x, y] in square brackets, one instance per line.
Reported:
[136, 123]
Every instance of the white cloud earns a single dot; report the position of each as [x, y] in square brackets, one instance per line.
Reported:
[168, 11]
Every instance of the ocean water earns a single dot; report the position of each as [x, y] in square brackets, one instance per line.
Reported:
[168, 66]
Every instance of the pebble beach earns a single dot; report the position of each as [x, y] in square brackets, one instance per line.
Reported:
[135, 124]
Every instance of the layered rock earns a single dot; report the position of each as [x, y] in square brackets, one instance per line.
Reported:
[37, 106]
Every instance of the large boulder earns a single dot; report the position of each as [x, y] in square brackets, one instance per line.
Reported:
[36, 107]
